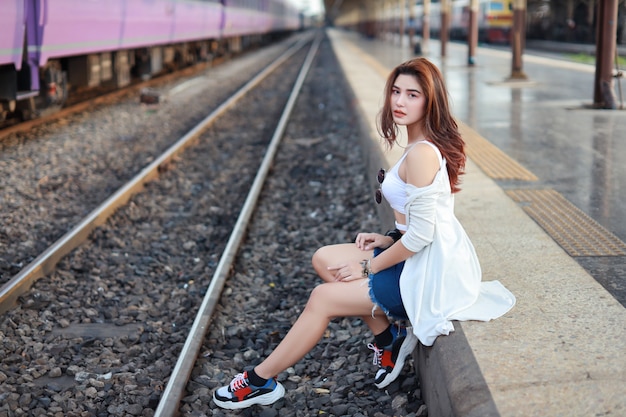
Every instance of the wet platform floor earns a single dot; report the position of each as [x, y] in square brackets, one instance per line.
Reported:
[525, 204]
[547, 125]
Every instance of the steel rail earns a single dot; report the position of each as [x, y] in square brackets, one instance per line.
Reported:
[169, 404]
[46, 261]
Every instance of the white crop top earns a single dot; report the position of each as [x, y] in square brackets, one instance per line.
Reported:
[394, 189]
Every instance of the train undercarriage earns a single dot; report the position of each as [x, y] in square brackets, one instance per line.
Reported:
[26, 95]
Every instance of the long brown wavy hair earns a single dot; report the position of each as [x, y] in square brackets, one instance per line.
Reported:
[438, 125]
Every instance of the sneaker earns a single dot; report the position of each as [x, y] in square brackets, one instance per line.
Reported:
[390, 360]
[241, 394]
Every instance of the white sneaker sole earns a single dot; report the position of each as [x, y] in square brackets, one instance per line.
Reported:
[405, 350]
[266, 399]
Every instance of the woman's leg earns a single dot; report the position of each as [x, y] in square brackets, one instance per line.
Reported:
[327, 301]
[337, 254]
[334, 255]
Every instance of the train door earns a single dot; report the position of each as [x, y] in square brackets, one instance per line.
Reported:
[28, 79]
[12, 50]
[43, 84]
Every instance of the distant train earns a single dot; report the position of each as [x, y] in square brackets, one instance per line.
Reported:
[50, 46]
[495, 19]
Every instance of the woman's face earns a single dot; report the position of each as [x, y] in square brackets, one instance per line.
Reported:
[407, 101]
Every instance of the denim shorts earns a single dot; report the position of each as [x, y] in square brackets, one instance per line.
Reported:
[385, 289]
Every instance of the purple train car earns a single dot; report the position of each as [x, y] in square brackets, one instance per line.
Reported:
[49, 47]
[12, 25]
[263, 17]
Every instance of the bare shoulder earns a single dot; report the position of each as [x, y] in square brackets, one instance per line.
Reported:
[422, 165]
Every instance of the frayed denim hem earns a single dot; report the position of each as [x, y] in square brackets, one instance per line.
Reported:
[373, 298]
[379, 305]
[387, 287]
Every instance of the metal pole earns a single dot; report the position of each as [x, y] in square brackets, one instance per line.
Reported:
[387, 14]
[411, 24]
[426, 27]
[379, 19]
[445, 19]
[604, 96]
[402, 5]
[517, 39]
[472, 32]
[569, 20]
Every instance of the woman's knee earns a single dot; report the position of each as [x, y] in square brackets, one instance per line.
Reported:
[321, 261]
[319, 298]
[334, 255]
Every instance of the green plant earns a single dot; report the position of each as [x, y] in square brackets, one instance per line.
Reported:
[591, 59]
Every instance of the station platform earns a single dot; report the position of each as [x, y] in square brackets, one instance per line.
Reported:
[540, 202]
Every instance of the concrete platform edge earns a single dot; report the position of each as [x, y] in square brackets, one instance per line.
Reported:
[456, 385]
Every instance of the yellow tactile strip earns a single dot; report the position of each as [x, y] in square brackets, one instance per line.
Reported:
[577, 233]
[495, 163]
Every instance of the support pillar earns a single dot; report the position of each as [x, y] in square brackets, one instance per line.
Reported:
[445, 25]
[402, 5]
[604, 95]
[411, 24]
[518, 37]
[472, 32]
[388, 19]
[569, 20]
[426, 27]
[379, 14]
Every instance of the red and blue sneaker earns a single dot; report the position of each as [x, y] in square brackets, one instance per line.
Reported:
[390, 359]
[241, 394]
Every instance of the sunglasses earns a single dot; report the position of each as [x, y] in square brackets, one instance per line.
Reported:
[379, 192]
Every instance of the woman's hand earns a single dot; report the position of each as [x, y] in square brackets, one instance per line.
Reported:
[369, 241]
[347, 272]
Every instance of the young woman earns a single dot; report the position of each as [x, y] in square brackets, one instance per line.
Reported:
[426, 270]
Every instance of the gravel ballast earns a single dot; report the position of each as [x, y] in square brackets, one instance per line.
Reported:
[100, 335]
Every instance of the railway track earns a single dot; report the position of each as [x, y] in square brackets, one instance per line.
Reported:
[125, 198]
[102, 333]
[84, 156]
[180, 376]
[46, 262]
[105, 332]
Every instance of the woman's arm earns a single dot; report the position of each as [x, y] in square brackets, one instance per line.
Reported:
[419, 170]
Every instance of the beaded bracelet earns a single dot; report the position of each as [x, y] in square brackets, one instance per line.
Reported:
[365, 265]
